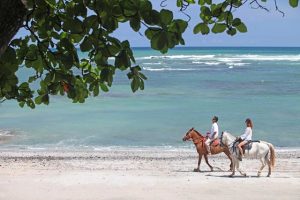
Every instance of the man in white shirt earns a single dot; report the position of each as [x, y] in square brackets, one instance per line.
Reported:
[213, 134]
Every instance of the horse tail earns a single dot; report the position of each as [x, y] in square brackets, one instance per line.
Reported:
[272, 155]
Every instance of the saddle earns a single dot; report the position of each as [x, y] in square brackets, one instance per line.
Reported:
[248, 145]
[215, 143]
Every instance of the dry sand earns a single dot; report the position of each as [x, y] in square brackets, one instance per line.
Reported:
[140, 174]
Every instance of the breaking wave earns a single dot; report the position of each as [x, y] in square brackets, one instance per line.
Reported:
[226, 58]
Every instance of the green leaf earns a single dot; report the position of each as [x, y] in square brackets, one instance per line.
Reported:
[159, 41]
[242, 28]
[201, 27]
[104, 87]
[218, 28]
[150, 32]
[96, 90]
[294, 3]
[231, 31]
[73, 25]
[86, 45]
[166, 16]
[179, 3]
[135, 24]
[201, 2]
[208, 1]
[135, 84]
[180, 24]
[51, 3]
[142, 76]
[21, 104]
[236, 22]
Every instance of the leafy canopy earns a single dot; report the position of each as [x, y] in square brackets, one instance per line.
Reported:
[58, 28]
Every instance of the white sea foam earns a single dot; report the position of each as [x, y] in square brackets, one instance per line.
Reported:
[206, 63]
[6, 133]
[237, 64]
[226, 58]
[152, 63]
[269, 57]
[189, 57]
[168, 69]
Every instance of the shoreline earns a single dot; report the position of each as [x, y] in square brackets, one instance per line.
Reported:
[147, 174]
[190, 148]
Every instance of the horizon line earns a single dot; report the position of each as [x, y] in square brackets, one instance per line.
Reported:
[225, 47]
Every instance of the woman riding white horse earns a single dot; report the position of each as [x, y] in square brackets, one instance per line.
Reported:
[261, 150]
[246, 137]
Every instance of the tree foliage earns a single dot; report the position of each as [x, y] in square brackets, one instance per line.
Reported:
[57, 29]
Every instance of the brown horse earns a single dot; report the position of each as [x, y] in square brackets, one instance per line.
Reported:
[199, 142]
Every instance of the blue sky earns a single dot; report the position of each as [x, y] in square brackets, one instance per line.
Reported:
[264, 28]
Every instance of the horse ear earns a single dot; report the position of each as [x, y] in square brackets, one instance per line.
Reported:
[192, 128]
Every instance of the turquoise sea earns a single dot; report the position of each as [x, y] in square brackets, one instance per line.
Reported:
[185, 88]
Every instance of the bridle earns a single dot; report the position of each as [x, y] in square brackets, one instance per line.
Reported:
[195, 141]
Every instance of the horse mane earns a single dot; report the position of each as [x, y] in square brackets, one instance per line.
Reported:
[199, 134]
[230, 135]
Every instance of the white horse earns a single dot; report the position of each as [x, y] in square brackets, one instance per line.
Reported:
[260, 150]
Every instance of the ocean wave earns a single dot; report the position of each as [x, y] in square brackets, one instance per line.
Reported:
[192, 57]
[237, 64]
[216, 58]
[152, 63]
[6, 133]
[269, 57]
[168, 69]
[207, 63]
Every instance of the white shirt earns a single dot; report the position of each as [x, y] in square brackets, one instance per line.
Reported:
[247, 134]
[214, 128]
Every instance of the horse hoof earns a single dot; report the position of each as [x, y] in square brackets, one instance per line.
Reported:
[197, 170]
[258, 174]
[231, 175]
[211, 169]
[244, 174]
[268, 175]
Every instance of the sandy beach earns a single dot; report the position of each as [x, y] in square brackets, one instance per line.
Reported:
[140, 174]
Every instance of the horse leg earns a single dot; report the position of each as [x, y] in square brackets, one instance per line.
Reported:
[199, 162]
[269, 166]
[234, 160]
[206, 160]
[263, 164]
[228, 154]
[238, 168]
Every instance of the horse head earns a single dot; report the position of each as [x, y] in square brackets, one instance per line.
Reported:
[188, 135]
[192, 134]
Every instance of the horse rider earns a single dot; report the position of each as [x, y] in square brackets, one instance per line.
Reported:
[246, 137]
[213, 134]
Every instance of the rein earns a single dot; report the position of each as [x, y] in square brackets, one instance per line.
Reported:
[198, 139]
[195, 140]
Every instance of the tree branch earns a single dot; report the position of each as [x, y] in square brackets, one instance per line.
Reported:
[258, 6]
[277, 9]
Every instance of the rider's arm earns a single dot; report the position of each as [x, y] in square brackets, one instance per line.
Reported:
[213, 135]
[246, 133]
